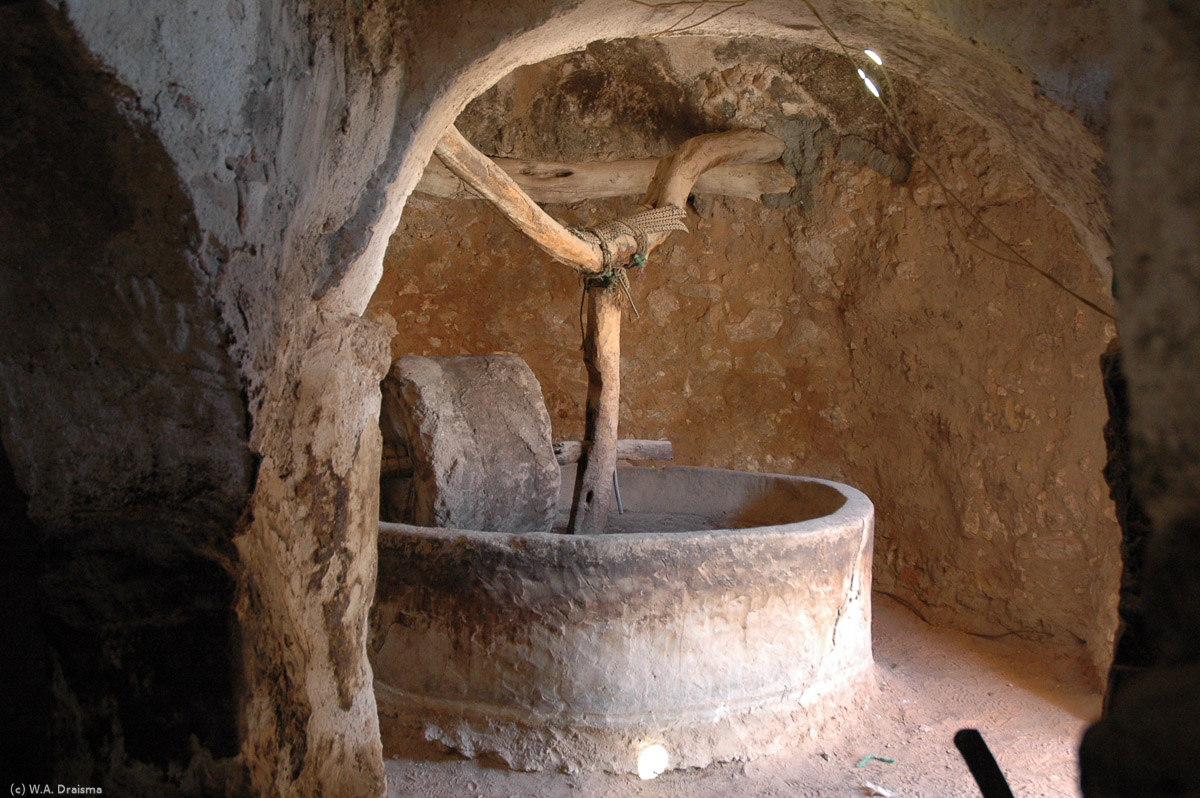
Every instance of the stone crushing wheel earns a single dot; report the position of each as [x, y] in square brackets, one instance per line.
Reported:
[475, 436]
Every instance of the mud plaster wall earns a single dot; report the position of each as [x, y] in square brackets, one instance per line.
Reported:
[846, 331]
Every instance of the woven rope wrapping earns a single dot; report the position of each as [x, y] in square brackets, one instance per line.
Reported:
[656, 220]
[666, 219]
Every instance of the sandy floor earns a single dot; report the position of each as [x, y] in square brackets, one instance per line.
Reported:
[1030, 706]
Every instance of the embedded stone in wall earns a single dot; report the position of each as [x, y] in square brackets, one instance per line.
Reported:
[759, 324]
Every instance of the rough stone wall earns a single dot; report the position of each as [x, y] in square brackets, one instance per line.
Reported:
[1062, 47]
[1132, 653]
[848, 331]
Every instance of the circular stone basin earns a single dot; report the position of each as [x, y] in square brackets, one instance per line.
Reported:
[726, 614]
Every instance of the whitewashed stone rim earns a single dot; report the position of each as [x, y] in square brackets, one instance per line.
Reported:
[856, 510]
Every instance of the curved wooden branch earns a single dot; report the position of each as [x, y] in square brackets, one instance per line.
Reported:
[678, 172]
[673, 180]
[630, 450]
[490, 182]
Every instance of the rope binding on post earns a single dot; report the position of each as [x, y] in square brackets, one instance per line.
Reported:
[666, 219]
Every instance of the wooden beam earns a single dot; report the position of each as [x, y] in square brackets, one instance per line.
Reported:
[629, 450]
[494, 185]
[551, 182]
[674, 178]
[491, 183]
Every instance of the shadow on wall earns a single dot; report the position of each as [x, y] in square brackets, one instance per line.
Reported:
[124, 427]
[26, 702]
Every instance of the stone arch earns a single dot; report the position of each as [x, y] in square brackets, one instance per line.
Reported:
[1062, 157]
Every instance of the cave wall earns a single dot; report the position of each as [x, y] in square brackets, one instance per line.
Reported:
[279, 124]
[846, 330]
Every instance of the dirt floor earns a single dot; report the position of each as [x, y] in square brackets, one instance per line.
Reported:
[1031, 707]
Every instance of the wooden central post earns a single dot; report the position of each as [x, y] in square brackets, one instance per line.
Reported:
[602, 354]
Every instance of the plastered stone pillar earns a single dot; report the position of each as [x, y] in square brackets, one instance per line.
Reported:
[308, 578]
[273, 118]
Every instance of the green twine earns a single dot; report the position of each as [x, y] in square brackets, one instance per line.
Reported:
[614, 277]
[869, 757]
[605, 279]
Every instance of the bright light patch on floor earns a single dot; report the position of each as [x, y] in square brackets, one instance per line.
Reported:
[652, 761]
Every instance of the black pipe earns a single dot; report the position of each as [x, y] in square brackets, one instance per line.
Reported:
[982, 764]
